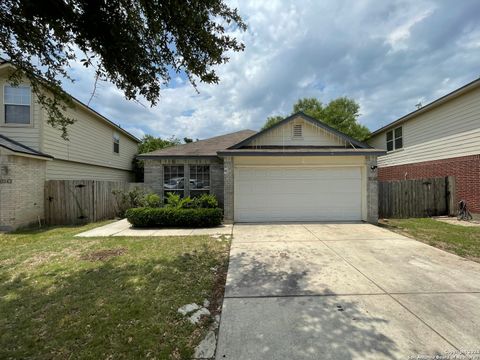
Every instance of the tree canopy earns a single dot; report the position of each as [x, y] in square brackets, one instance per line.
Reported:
[341, 114]
[136, 45]
[147, 144]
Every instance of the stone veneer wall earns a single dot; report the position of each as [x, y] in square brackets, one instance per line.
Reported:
[22, 182]
[153, 175]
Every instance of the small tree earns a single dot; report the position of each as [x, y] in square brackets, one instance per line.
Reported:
[341, 114]
[148, 144]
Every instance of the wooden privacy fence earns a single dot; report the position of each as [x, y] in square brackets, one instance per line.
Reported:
[416, 198]
[72, 202]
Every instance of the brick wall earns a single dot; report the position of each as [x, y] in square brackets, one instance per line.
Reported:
[466, 170]
[22, 182]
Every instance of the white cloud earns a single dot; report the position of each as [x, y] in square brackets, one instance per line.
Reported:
[386, 55]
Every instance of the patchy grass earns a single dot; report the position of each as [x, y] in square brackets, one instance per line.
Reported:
[105, 298]
[461, 240]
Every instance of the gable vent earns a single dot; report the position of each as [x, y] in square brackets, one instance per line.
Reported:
[297, 131]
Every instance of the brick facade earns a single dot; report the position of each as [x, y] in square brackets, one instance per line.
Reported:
[22, 182]
[153, 174]
[466, 171]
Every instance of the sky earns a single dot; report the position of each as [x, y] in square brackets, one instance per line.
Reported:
[386, 55]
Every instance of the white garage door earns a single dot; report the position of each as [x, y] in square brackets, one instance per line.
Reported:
[297, 194]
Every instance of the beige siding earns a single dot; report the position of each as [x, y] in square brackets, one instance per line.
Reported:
[68, 170]
[450, 130]
[312, 135]
[28, 135]
[90, 141]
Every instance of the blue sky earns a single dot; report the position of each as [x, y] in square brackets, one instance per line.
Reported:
[387, 55]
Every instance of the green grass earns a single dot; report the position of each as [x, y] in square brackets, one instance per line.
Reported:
[461, 240]
[104, 298]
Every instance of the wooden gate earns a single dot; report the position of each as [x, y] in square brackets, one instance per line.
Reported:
[73, 202]
[416, 198]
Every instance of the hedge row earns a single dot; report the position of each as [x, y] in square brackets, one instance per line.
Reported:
[171, 217]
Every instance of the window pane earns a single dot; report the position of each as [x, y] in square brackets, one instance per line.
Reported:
[173, 179]
[389, 145]
[398, 143]
[389, 135]
[17, 114]
[17, 95]
[398, 132]
[116, 147]
[199, 177]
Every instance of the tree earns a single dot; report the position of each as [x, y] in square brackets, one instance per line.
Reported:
[272, 120]
[341, 114]
[151, 143]
[309, 106]
[137, 45]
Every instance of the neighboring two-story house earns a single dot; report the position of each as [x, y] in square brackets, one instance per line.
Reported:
[32, 151]
[437, 140]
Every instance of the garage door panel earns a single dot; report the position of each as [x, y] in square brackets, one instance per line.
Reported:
[297, 194]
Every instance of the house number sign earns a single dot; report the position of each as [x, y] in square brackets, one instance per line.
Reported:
[5, 181]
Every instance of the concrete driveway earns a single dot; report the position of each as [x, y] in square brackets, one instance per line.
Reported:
[345, 291]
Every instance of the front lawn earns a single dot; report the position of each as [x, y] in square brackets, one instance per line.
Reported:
[461, 240]
[105, 298]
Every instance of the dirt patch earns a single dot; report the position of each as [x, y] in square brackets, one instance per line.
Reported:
[102, 255]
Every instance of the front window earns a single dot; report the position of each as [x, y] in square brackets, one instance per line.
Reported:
[199, 180]
[116, 143]
[17, 101]
[395, 139]
[173, 179]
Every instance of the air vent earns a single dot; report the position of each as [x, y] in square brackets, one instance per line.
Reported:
[297, 131]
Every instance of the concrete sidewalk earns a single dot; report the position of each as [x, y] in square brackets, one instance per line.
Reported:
[124, 228]
[345, 291]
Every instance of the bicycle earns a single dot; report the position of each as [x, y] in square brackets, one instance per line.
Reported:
[463, 213]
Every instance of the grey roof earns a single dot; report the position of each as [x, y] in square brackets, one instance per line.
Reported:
[311, 151]
[310, 119]
[15, 146]
[461, 90]
[201, 148]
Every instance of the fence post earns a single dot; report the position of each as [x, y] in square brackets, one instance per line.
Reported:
[451, 196]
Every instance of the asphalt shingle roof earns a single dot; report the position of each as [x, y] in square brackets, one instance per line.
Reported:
[17, 147]
[207, 147]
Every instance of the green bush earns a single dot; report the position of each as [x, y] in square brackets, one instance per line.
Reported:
[152, 200]
[125, 200]
[205, 201]
[173, 217]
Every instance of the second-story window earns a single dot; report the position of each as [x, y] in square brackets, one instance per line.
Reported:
[17, 100]
[116, 143]
[395, 139]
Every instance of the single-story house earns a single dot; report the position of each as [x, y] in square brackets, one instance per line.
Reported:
[300, 169]
[439, 139]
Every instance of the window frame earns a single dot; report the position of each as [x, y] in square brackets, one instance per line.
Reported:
[193, 191]
[175, 191]
[116, 141]
[4, 104]
[393, 139]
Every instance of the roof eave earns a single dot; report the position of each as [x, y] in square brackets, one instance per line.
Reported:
[301, 153]
[306, 118]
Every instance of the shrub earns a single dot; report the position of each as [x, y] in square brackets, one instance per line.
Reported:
[128, 199]
[152, 200]
[205, 201]
[174, 217]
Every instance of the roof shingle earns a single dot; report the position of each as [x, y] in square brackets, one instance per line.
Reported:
[201, 148]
